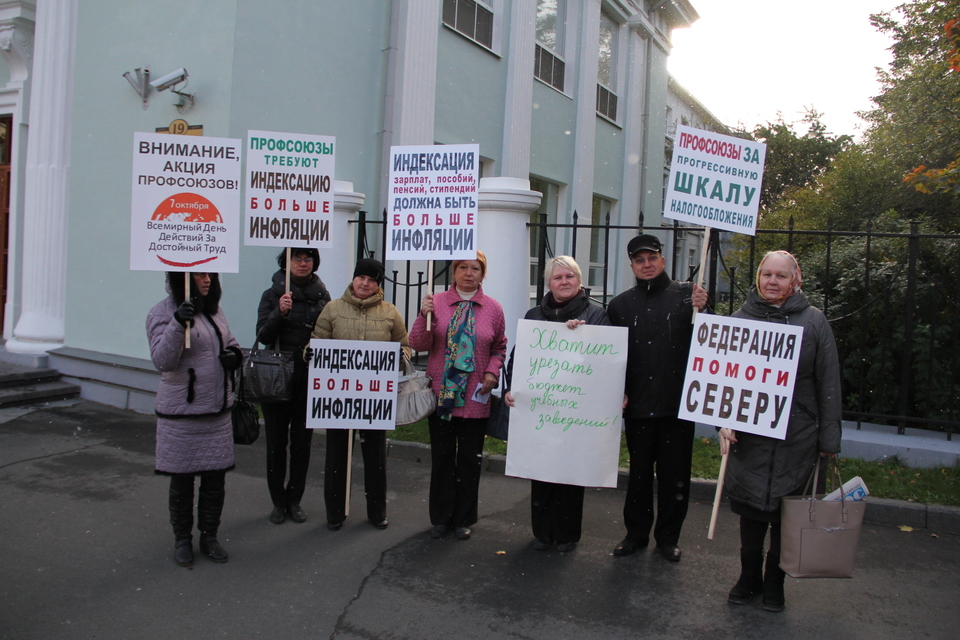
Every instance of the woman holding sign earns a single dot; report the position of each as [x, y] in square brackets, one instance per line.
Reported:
[467, 347]
[194, 398]
[360, 313]
[288, 312]
[762, 470]
[556, 510]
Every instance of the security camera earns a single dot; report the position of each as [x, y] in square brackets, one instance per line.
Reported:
[171, 79]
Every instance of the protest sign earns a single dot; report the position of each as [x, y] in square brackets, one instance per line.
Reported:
[185, 203]
[353, 384]
[715, 180]
[432, 202]
[568, 389]
[740, 374]
[289, 189]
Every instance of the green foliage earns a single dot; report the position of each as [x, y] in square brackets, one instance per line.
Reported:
[793, 160]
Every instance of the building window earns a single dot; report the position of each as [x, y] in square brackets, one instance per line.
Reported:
[549, 204]
[472, 19]
[598, 246]
[547, 65]
[606, 68]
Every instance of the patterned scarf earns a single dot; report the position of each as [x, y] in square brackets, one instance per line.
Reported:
[458, 362]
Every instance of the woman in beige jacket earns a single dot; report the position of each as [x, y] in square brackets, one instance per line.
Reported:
[360, 314]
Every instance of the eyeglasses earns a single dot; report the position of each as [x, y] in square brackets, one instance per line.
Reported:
[299, 259]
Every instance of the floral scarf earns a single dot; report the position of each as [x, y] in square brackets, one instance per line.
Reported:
[458, 362]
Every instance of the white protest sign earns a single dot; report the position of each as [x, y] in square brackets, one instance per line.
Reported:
[740, 374]
[432, 202]
[715, 180]
[568, 389]
[289, 189]
[185, 203]
[353, 384]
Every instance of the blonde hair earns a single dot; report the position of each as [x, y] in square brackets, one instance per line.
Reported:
[565, 262]
[795, 272]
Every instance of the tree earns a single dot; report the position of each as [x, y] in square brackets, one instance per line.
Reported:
[794, 160]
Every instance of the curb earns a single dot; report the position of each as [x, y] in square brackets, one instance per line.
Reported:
[883, 511]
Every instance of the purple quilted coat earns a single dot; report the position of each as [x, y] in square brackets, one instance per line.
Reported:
[194, 431]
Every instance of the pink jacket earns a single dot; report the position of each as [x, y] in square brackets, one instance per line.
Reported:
[489, 354]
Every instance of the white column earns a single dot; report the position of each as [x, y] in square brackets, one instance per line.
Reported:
[41, 324]
[337, 262]
[504, 208]
[518, 99]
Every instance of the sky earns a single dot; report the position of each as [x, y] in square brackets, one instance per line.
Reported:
[747, 60]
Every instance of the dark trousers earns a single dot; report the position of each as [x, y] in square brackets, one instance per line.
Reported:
[661, 446]
[556, 511]
[373, 444]
[456, 455]
[286, 423]
[753, 532]
[209, 503]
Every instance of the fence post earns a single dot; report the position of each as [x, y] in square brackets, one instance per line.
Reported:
[913, 245]
[361, 233]
[790, 235]
[826, 277]
[606, 257]
[573, 244]
[541, 255]
[714, 252]
[733, 287]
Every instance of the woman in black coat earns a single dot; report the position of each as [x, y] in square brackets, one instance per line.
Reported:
[289, 316]
[762, 470]
[556, 510]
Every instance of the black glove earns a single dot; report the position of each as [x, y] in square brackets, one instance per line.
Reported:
[231, 358]
[308, 354]
[185, 312]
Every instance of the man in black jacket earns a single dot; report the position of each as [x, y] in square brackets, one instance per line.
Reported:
[658, 313]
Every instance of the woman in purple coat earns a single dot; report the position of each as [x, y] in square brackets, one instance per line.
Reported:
[194, 399]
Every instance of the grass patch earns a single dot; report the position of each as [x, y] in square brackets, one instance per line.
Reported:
[886, 479]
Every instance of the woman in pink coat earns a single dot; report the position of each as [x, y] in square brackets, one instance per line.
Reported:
[467, 347]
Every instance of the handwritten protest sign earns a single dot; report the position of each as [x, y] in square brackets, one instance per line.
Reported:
[289, 190]
[740, 374]
[353, 384]
[568, 389]
[185, 203]
[432, 202]
[715, 180]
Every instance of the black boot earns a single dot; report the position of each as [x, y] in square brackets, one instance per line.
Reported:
[750, 583]
[209, 507]
[181, 517]
[773, 576]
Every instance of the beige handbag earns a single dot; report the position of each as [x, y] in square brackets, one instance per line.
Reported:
[819, 538]
[415, 397]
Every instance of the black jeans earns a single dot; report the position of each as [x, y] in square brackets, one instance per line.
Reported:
[286, 423]
[373, 444]
[663, 446]
[456, 454]
[556, 511]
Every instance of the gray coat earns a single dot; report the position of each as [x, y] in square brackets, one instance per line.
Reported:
[195, 395]
[761, 470]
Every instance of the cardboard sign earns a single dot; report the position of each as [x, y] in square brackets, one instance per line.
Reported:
[289, 189]
[185, 204]
[741, 374]
[568, 388]
[353, 384]
[432, 202]
[715, 180]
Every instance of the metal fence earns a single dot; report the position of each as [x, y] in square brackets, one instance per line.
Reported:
[892, 297]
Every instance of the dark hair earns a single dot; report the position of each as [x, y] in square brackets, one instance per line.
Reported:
[210, 302]
[297, 251]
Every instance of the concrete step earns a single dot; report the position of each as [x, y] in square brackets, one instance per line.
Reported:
[36, 392]
[14, 376]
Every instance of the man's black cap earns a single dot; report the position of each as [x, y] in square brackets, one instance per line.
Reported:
[645, 242]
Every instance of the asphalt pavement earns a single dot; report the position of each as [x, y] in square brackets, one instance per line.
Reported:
[88, 553]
